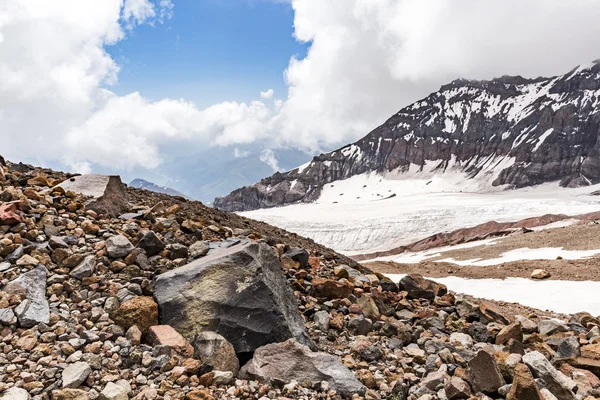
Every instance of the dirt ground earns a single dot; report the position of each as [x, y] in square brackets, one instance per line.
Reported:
[576, 237]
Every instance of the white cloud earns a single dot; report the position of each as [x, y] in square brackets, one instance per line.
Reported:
[367, 59]
[268, 157]
[268, 94]
[237, 153]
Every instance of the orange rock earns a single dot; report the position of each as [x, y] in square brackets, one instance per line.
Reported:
[10, 213]
[141, 311]
[331, 289]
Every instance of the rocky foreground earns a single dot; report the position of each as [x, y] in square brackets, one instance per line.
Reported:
[114, 293]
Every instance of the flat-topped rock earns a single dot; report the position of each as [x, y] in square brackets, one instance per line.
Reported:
[107, 192]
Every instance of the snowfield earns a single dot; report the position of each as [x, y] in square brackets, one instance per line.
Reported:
[566, 297]
[371, 212]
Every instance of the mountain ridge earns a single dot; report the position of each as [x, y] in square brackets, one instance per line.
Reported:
[511, 131]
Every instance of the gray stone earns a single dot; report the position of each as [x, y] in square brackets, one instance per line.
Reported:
[419, 287]
[6, 316]
[151, 244]
[75, 374]
[213, 349]
[359, 325]
[456, 388]
[118, 246]
[322, 319]
[34, 309]
[177, 251]
[484, 373]
[199, 249]
[559, 384]
[15, 393]
[300, 256]
[85, 268]
[107, 192]
[568, 348]
[4, 266]
[113, 391]
[56, 242]
[287, 361]
[550, 326]
[239, 292]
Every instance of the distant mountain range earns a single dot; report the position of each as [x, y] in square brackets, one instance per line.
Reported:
[510, 131]
[217, 171]
[153, 187]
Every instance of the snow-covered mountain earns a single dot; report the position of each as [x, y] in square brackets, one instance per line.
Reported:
[507, 132]
[153, 187]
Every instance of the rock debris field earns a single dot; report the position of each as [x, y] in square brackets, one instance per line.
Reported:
[112, 293]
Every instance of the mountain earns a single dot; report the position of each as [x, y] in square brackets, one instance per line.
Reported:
[153, 187]
[508, 132]
[217, 171]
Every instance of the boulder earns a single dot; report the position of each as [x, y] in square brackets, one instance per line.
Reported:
[10, 213]
[75, 374]
[301, 256]
[421, 288]
[70, 394]
[524, 386]
[214, 350]
[510, 331]
[456, 388]
[330, 289]
[141, 311]
[107, 192]
[34, 309]
[151, 244]
[287, 361]
[85, 268]
[238, 292]
[551, 326]
[540, 274]
[199, 249]
[15, 393]
[484, 374]
[113, 391]
[118, 246]
[558, 383]
[165, 335]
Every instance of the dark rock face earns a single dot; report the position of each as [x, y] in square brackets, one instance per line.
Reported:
[421, 288]
[511, 131]
[238, 292]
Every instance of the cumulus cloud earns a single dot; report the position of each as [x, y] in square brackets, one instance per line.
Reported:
[268, 94]
[268, 157]
[367, 59]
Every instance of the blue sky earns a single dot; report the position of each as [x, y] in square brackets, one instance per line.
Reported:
[210, 51]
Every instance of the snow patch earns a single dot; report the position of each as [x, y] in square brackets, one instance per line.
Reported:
[544, 253]
[566, 297]
[541, 139]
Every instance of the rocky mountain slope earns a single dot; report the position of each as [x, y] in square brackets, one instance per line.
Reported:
[112, 293]
[153, 187]
[508, 131]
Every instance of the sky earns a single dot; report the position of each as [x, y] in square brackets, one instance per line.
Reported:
[128, 84]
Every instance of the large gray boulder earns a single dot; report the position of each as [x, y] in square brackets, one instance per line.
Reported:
[558, 383]
[34, 309]
[238, 292]
[107, 192]
[287, 361]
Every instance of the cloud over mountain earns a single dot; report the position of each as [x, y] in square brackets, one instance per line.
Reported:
[367, 58]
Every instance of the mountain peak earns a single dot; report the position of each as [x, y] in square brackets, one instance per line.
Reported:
[507, 132]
